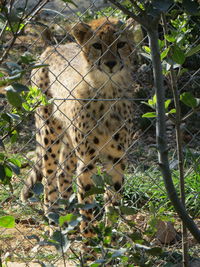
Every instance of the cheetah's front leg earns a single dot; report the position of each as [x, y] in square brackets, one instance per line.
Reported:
[84, 182]
[112, 196]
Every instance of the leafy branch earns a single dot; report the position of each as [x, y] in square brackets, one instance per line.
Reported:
[150, 20]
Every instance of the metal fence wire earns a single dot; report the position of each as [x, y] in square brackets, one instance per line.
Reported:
[90, 192]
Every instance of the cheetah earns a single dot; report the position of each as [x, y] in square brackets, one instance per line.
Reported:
[90, 117]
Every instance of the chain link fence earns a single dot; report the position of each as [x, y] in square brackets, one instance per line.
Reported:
[94, 132]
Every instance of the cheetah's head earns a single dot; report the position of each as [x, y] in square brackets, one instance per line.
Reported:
[107, 46]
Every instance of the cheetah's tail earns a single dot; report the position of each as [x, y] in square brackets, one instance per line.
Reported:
[35, 177]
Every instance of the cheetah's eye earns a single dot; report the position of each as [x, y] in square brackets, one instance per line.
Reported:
[97, 46]
[121, 44]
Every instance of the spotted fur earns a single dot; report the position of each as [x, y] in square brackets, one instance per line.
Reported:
[79, 128]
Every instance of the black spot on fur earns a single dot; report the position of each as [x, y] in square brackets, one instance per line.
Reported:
[69, 189]
[96, 140]
[101, 107]
[119, 147]
[116, 136]
[52, 191]
[110, 157]
[46, 141]
[123, 166]
[116, 160]
[49, 150]
[87, 187]
[117, 186]
[91, 151]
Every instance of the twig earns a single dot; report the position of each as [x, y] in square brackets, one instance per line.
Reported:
[179, 143]
[63, 255]
[17, 33]
[80, 259]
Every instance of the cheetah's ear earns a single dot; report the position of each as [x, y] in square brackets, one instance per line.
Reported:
[82, 33]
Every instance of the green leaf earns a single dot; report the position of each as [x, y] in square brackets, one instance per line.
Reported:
[94, 190]
[164, 53]
[149, 115]
[189, 100]
[15, 77]
[150, 102]
[14, 168]
[154, 99]
[118, 252]
[36, 66]
[67, 218]
[8, 171]
[86, 206]
[15, 161]
[146, 49]
[95, 265]
[7, 221]
[173, 110]
[147, 104]
[5, 117]
[14, 99]
[14, 136]
[17, 87]
[193, 51]
[27, 58]
[60, 241]
[38, 189]
[156, 251]
[2, 156]
[170, 38]
[167, 103]
[108, 179]
[13, 116]
[98, 180]
[1, 74]
[127, 211]
[178, 55]
[136, 236]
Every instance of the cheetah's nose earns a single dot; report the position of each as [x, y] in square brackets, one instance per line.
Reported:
[110, 64]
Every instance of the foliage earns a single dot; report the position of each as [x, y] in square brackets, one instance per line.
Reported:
[23, 101]
[187, 98]
[7, 222]
[103, 12]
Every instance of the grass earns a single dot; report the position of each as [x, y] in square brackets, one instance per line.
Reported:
[144, 189]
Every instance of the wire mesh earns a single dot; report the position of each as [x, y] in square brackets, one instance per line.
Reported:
[75, 160]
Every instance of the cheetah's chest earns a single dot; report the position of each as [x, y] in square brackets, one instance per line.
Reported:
[105, 117]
